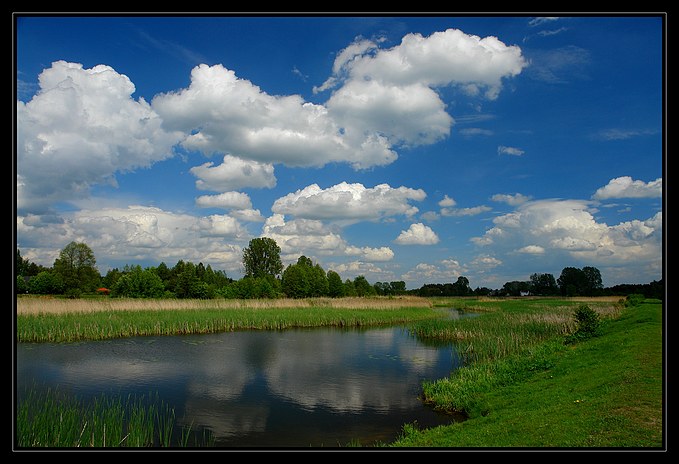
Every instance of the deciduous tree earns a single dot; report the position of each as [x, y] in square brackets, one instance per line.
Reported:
[335, 285]
[76, 265]
[262, 258]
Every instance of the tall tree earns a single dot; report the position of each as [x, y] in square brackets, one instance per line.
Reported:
[572, 281]
[335, 284]
[593, 282]
[318, 280]
[461, 286]
[543, 284]
[77, 267]
[295, 281]
[262, 258]
[398, 287]
[304, 279]
[363, 287]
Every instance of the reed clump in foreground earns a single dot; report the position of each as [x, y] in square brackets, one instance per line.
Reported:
[51, 419]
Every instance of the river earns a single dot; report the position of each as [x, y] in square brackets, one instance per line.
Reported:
[295, 388]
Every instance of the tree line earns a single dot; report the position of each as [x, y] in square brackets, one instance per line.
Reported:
[74, 273]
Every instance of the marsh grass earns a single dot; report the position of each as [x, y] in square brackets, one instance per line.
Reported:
[508, 326]
[55, 320]
[50, 305]
[52, 419]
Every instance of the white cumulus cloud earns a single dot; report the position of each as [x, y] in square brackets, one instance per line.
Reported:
[625, 187]
[417, 234]
[349, 202]
[138, 233]
[312, 237]
[222, 113]
[449, 57]
[391, 91]
[226, 200]
[447, 202]
[80, 129]
[371, 254]
[220, 225]
[232, 174]
[554, 227]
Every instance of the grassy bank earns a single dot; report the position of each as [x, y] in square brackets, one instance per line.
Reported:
[601, 392]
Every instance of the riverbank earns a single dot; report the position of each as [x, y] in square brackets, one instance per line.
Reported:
[605, 392]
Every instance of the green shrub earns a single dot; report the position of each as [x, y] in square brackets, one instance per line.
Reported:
[73, 293]
[46, 283]
[22, 286]
[634, 299]
[587, 324]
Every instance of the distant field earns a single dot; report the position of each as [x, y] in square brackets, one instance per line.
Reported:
[584, 299]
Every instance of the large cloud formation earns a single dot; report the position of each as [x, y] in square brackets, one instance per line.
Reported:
[349, 202]
[391, 91]
[382, 99]
[567, 227]
[312, 237]
[133, 233]
[81, 128]
[226, 114]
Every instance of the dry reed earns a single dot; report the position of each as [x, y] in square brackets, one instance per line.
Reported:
[47, 305]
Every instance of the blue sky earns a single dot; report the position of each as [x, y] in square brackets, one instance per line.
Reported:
[414, 148]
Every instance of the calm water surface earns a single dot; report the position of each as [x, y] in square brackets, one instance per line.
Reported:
[292, 388]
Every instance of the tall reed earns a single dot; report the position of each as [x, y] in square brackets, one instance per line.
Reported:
[100, 325]
[507, 326]
[50, 305]
[52, 419]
